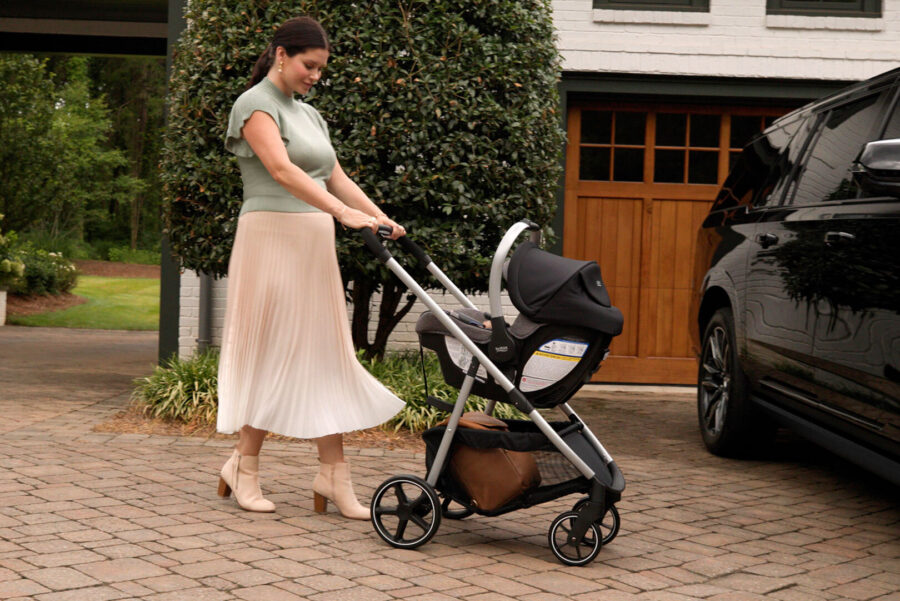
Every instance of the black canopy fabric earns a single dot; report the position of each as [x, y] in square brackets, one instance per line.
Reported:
[552, 289]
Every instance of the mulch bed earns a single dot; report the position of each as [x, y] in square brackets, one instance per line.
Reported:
[32, 305]
[133, 421]
[117, 270]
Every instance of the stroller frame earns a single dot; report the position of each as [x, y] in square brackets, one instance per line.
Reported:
[583, 521]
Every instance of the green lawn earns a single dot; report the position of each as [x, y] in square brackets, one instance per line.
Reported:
[113, 304]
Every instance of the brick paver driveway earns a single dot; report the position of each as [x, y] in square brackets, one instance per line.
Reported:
[96, 516]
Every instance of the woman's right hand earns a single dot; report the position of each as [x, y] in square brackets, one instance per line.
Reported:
[356, 219]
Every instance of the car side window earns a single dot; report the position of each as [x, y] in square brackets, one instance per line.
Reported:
[786, 146]
[846, 128]
[892, 132]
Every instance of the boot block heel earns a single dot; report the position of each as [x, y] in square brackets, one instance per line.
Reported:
[320, 503]
[224, 489]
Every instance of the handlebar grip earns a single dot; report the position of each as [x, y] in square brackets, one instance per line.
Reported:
[414, 249]
[375, 244]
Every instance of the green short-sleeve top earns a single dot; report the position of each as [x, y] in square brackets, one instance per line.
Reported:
[305, 136]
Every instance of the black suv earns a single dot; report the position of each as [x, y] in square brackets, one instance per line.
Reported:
[797, 285]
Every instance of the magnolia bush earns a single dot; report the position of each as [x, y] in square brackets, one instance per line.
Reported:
[444, 111]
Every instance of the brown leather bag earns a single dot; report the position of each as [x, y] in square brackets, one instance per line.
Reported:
[491, 477]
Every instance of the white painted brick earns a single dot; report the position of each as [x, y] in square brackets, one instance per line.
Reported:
[403, 336]
[791, 47]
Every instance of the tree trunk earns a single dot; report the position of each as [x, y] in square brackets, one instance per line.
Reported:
[359, 328]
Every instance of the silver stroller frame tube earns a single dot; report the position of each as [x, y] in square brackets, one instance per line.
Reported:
[450, 286]
[479, 357]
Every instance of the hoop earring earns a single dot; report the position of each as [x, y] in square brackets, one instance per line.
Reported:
[280, 66]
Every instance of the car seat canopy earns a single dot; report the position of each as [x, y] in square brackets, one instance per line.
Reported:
[551, 289]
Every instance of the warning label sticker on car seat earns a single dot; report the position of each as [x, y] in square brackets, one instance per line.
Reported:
[551, 363]
[462, 357]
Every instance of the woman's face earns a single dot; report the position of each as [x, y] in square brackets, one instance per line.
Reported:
[301, 71]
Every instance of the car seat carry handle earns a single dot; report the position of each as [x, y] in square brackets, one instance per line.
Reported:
[503, 347]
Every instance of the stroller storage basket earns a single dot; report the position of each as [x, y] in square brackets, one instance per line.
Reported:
[558, 477]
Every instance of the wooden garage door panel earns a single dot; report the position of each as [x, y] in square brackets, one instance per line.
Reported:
[609, 231]
[666, 294]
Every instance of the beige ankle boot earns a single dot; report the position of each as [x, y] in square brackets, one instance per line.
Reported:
[241, 475]
[333, 484]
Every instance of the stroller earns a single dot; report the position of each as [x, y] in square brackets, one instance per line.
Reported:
[556, 343]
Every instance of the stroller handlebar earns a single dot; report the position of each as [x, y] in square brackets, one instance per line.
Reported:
[373, 241]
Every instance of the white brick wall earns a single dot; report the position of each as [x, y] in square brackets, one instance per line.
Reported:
[735, 39]
[403, 336]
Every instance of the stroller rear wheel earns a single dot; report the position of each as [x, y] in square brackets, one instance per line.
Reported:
[569, 551]
[406, 512]
[608, 524]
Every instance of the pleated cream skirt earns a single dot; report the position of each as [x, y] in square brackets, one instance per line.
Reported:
[287, 362]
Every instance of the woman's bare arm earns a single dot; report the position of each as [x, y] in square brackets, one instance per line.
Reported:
[348, 191]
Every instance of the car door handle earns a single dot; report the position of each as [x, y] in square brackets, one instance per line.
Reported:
[766, 240]
[832, 238]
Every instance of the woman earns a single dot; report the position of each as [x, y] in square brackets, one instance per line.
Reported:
[287, 362]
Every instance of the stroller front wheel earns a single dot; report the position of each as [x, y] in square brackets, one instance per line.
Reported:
[569, 551]
[608, 524]
[406, 512]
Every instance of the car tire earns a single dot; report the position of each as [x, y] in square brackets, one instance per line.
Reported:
[730, 424]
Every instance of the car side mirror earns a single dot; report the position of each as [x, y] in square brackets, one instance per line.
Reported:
[877, 170]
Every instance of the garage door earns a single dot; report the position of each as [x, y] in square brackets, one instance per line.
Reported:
[639, 182]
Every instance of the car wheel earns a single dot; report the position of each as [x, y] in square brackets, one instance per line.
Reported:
[729, 423]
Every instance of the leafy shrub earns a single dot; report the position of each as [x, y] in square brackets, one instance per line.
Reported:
[446, 112]
[66, 245]
[125, 254]
[46, 272]
[187, 390]
[182, 390]
[11, 266]
[402, 373]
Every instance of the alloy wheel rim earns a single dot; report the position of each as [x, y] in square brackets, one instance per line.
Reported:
[715, 381]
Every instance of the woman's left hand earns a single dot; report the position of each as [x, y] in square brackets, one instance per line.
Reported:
[397, 229]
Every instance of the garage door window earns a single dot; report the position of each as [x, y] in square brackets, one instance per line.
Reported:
[612, 146]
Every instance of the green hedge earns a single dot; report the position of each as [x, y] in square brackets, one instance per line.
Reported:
[444, 111]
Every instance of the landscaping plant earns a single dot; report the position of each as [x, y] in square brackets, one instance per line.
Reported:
[186, 390]
[182, 390]
[45, 272]
[11, 266]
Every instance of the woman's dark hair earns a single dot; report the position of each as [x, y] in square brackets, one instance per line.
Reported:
[295, 35]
